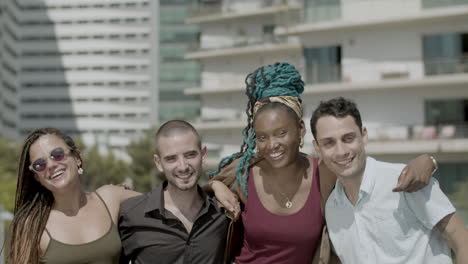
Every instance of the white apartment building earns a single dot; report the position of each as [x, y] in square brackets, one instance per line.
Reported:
[85, 66]
[404, 62]
[8, 70]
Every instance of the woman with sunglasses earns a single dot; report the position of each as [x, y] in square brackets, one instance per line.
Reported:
[55, 220]
[283, 190]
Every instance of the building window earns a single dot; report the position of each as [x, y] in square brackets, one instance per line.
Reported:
[323, 64]
[321, 10]
[130, 99]
[445, 53]
[439, 3]
[449, 118]
[269, 33]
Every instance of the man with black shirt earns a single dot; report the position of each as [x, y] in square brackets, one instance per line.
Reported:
[177, 222]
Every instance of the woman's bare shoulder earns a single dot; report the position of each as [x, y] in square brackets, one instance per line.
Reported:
[116, 193]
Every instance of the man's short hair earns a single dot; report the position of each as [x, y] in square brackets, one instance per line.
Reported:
[338, 107]
[172, 127]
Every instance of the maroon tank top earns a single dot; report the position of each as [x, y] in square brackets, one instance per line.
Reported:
[271, 238]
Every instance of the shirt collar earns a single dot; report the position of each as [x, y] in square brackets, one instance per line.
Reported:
[340, 193]
[368, 179]
[155, 201]
[367, 184]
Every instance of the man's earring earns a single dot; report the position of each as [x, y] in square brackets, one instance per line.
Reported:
[80, 171]
[301, 144]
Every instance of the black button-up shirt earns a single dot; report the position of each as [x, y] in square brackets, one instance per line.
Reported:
[151, 234]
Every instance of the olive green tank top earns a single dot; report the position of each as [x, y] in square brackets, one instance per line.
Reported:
[104, 250]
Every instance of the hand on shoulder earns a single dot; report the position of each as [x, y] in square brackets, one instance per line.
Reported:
[116, 193]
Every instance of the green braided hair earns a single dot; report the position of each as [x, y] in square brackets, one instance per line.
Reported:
[279, 79]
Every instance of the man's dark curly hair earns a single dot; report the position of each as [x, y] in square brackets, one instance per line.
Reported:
[338, 107]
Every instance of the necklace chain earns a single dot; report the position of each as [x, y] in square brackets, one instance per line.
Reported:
[288, 204]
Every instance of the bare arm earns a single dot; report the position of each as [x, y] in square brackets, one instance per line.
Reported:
[113, 196]
[220, 184]
[416, 174]
[453, 231]
[226, 197]
[118, 192]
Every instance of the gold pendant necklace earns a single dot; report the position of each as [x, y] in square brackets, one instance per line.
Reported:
[288, 204]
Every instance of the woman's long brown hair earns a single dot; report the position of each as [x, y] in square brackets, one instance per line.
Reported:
[33, 203]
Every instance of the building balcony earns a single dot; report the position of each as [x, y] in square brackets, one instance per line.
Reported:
[218, 12]
[94, 76]
[442, 3]
[85, 92]
[89, 124]
[327, 17]
[245, 47]
[445, 139]
[448, 65]
[351, 76]
[423, 83]
[220, 125]
[213, 91]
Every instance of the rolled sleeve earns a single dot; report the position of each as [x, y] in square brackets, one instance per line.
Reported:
[430, 204]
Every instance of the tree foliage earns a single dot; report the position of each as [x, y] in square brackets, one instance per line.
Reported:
[460, 199]
[144, 173]
[9, 152]
[102, 168]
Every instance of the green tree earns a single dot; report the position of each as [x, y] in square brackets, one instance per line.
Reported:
[102, 168]
[8, 166]
[144, 173]
[460, 199]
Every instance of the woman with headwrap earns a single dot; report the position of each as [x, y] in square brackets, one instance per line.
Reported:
[281, 189]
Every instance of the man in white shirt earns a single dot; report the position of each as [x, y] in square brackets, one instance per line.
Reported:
[367, 222]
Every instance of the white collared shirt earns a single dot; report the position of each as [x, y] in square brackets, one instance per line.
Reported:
[386, 226]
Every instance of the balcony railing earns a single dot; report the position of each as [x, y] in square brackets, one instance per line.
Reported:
[317, 11]
[243, 41]
[214, 7]
[418, 132]
[442, 3]
[449, 65]
[323, 73]
[376, 74]
[369, 71]
[205, 8]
